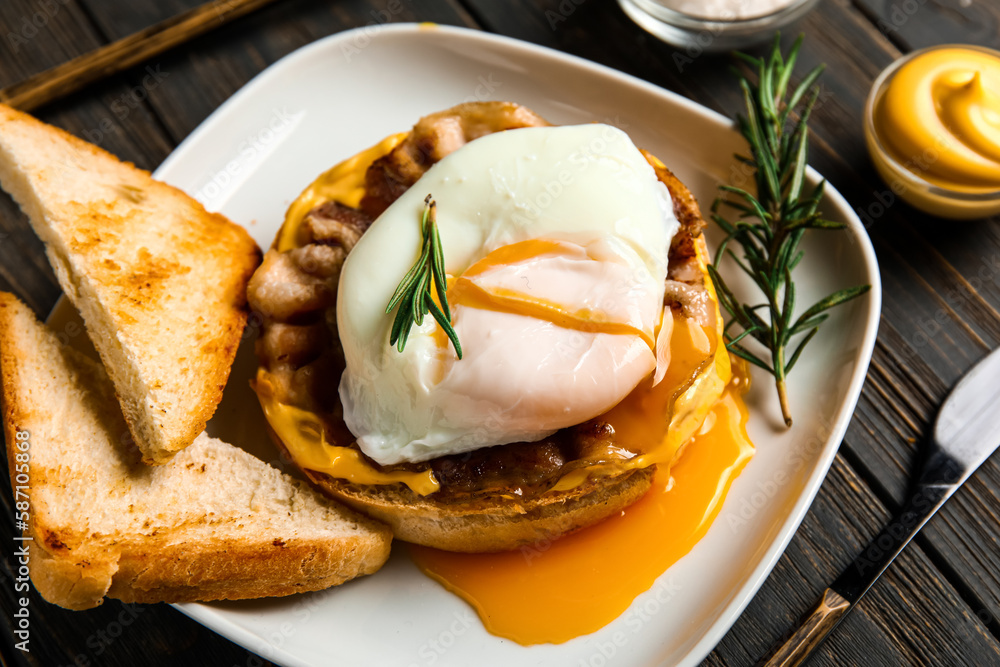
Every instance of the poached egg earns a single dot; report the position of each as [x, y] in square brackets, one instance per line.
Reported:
[555, 244]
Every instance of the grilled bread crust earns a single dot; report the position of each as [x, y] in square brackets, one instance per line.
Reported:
[160, 281]
[214, 524]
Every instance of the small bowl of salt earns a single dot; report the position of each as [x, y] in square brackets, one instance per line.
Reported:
[714, 25]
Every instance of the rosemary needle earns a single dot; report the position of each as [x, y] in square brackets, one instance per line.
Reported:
[415, 294]
[770, 225]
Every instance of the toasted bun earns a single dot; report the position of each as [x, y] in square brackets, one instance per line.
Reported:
[160, 282]
[493, 523]
[489, 523]
[497, 521]
[216, 523]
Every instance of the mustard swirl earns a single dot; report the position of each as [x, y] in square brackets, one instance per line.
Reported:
[939, 116]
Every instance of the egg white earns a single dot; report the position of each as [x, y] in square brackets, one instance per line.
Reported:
[521, 378]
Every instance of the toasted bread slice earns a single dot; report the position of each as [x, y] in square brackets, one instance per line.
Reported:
[216, 523]
[160, 282]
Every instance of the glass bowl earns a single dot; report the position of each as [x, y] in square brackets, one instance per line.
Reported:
[906, 183]
[697, 33]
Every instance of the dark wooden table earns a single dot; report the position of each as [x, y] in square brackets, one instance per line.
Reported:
[938, 605]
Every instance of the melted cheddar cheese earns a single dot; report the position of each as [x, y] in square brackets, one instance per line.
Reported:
[557, 590]
[303, 435]
[343, 183]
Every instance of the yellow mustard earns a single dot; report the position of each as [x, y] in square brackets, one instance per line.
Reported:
[343, 183]
[940, 118]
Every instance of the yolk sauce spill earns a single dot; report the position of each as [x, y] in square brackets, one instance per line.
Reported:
[552, 592]
[464, 291]
[644, 416]
[596, 573]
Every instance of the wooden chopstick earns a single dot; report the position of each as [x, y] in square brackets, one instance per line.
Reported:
[69, 77]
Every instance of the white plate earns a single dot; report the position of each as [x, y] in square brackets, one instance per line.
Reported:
[343, 93]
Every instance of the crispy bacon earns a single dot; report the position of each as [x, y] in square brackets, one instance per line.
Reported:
[432, 138]
[333, 224]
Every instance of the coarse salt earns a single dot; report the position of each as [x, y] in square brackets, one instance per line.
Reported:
[726, 9]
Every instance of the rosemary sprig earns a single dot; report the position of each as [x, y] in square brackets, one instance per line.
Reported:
[415, 294]
[770, 224]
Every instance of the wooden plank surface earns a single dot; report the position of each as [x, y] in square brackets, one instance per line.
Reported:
[938, 605]
[912, 616]
[941, 290]
[207, 72]
[918, 23]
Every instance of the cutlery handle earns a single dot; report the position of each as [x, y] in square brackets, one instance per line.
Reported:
[812, 630]
[70, 76]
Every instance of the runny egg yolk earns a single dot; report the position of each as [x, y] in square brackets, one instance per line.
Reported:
[474, 289]
[552, 592]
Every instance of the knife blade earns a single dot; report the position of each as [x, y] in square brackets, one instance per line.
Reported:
[966, 432]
